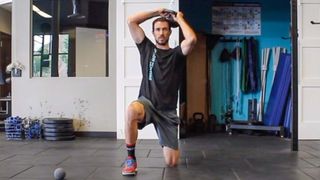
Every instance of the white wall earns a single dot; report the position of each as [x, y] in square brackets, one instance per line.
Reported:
[89, 99]
[5, 21]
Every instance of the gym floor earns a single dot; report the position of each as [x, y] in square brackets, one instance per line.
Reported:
[205, 157]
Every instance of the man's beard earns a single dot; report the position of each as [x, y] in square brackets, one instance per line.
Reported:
[162, 43]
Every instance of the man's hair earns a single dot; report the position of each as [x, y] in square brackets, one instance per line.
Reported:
[161, 19]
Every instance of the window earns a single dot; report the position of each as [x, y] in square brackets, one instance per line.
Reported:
[70, 38]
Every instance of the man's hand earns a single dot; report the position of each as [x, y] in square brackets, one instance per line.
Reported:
[179, 15]
[162, 12]
[170, 15]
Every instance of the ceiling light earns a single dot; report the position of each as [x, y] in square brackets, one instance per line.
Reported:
[5, 1]
[41, 13]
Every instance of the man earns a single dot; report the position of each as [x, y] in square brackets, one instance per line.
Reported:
[162, 69]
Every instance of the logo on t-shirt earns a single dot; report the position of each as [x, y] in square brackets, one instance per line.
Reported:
[151, 64]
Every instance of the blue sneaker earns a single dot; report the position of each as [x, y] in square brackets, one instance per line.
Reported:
[130, 167]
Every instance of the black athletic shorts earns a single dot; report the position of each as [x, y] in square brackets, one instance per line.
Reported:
[165, 122]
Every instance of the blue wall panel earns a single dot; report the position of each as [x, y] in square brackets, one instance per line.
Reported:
[275, 23]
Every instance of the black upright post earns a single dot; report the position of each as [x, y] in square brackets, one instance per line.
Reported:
[294, 80]
[72, 53]
[55, 37]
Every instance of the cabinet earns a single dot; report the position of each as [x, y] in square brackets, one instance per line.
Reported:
[308, 69]
[5, 86]
[197, 79]
[5, 110]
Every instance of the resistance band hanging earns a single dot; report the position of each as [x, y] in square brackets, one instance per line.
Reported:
[237, 97]
[227, 78]
[249, 81]
[264, 67]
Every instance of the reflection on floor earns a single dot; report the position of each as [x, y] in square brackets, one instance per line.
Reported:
[205, 157]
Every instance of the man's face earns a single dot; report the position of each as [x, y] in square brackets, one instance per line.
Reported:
[161, 32]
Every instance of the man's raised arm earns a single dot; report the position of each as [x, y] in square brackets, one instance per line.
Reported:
[190, 38]
[135, 20]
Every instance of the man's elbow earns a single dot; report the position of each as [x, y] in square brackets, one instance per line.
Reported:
[129, 20]
[192, 41]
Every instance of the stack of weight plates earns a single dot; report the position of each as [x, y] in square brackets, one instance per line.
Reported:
[58, 129]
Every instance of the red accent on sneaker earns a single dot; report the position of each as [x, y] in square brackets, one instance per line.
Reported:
[130, 167]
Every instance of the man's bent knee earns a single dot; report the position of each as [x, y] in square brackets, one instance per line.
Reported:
[135, 111]
[172, 162]
[171, 156]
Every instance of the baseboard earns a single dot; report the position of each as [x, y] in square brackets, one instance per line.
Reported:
[90, 134]
[96, 134]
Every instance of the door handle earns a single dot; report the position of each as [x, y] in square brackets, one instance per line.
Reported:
[314, 23]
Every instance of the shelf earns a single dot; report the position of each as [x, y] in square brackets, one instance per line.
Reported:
[256, 127]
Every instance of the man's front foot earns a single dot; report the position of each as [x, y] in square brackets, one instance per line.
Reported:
[130, 167]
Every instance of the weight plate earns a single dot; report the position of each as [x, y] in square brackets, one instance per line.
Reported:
[58, 130]
[57, 134]
[58, 126]
[63, 138]
[57, 121]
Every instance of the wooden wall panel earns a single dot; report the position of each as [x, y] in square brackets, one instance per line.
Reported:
[197, 100]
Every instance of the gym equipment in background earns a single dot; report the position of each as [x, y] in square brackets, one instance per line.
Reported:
[249, 80]
[31, 128]
[59, 174]
[55, 129]
[288, 117]
[252, 110]
[279, 92]
[276, 106]
[237, 78]
[264, 67]
[198, 120]
[13, 128]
